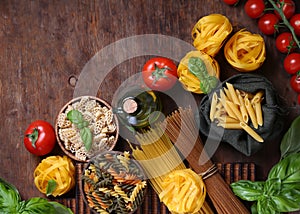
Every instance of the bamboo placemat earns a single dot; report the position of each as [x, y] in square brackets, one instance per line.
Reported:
[231, 172]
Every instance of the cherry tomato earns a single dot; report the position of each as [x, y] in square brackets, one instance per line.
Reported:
[285, 42]
[267, 23]
[254, 8]
[291, 63]
[295, 82]
[39, 138]
[160, 73]
[231, 2]
[295, 23]
[288, 8]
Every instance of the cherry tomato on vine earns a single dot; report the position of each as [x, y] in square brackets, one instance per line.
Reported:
[267, 23]
[231, 2]
[295, 23]
[160, 73]
[291, 63]
[288, 8]
[295, 82]
[254, 8]
[39, 138]
[285, 42]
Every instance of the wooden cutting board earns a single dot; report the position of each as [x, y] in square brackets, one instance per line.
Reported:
[231, 172]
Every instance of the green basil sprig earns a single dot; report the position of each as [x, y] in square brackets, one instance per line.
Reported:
[86, 135]
[10, 202]
[51, 186]
[279, 193]
[197, 67]
[290, 142]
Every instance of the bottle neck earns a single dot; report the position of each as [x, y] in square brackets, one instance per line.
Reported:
[130, 105]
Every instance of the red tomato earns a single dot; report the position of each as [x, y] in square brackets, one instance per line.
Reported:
[254, 8]
[268, 23]
[288, 8]
[295, 82]
[291, 63]
[39, 138]
[299, 99]
[231, 2]
[285, 42]
[160, 73]
[295, 23]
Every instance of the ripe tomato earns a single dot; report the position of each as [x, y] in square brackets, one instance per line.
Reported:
[285, 42]
[288, 8]
[231, 2]
[295, 82]
[160, 73]
[291, 63]
[39, 138]
[254, 8]
[267, 23]
[295, 23]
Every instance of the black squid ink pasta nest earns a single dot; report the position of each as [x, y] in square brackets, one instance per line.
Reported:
[113, 182]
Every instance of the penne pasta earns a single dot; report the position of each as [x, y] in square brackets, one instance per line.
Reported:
[232, 93]
[251, 112]
[228, 109]
[258, 113]
[213, 108]
[228, 94]
[243, 109]
[251, 132]
[227, 119]
[235, 110]
[257, 97]
[230, 125]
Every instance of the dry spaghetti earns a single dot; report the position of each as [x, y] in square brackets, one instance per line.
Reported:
[157, 150]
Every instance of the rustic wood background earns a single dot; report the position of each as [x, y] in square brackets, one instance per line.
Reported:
[44, 46]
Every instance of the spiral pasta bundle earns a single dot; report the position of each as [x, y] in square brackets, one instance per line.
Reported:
[210, 32]
[245, 51]
[56, 168]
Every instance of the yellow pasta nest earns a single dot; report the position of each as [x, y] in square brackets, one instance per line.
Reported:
[183, 191]
[245, 51]
[189, 81]
[210, 32]
[56, 168]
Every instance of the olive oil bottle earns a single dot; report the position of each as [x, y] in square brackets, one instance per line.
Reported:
[139, 108]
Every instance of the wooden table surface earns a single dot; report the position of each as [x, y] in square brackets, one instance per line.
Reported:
[44, 46]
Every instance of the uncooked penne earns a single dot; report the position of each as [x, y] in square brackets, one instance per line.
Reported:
[227, 119]
[257, 97]
[243, 109]
[251, 112]
[251, 132]
[232, 93]
[235, 110]
[228, 94]
[213, 106]
[228, 109]
[230, 125]
[258, 113]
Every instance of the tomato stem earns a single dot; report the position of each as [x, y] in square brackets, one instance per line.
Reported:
[159, 73]
[33, 137]
[285, 20]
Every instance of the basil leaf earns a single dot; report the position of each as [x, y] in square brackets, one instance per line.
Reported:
[75, 116]
[51, 186]
[38, 206]
[198, 68]
[288, 170]
[290, 142]
[248, 190]
[266, 206]
[87, 137]
[287, 201]
[61, 209]
[272, 186]
[9, 197]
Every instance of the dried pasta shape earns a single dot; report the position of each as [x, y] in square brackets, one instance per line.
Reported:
[210, 33]
[189, 81]
[245, 51]
[183, 191]
[57, 168]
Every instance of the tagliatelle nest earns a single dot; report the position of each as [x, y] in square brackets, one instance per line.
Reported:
[210, 32]
[245, 51]
[57, 168]
[189, 81]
